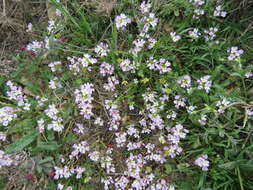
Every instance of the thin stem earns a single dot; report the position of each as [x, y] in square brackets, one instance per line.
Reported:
[4, 8]
[240, 178]
[244, 88]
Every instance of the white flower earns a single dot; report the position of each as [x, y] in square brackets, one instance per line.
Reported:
[122, 21]
[79, 171]
[99, 121]
[152, 20]
[249, 74]
[52, 112]
[210, 33]
[102, 49]
[175, 37]
[51, 25]
[202, 162]
[41, 126]
[234, 53]
[55, 65]
[249, 111]
[127, 65]
[145, 7]
[2, 136]
[35, 46]
[94, 156]
[56, 125]
[205, 83]
[191, 109]
[218, 12]
[60, 186]
[185, 81]
[222, 104]
[7, 114]
[54, 83]
[64, 172]
[195, 34]
[29, 27]
[203, 120]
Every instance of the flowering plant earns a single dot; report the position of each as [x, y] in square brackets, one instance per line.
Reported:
[136, 107]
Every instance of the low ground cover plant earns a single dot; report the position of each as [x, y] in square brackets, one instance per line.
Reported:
[153, 95]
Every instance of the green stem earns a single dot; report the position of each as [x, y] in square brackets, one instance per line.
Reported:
[240, 178]
[244, 88]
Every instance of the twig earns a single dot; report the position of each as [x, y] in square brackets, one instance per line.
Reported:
[247, 138]
[4, 8]
[245, 118]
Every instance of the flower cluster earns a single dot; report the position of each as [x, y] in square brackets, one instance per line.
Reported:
[122, 21]
[203, 119]
[202, 162]
[77, 63]
[54, 83]
[7, 114]
[112, 81]
[222, 104]
[114, 114]
[234, 53]
[61, 186]
[185, 81]
[176, 134]
[41, 101]
[205, 83]
[127, 65]
[102, 49]
[41, 125]
[198, 11]
[249, 111]
[83, 97]
[153, 107]
[5, 159]
[194, 34]
[161, 65]
[79, 149]
[35, 46]
[179, 101]
[54, 66]
[148, 22]
[210, 33]
[52, 113]
[146, 118]
[106, 69]
[16, 94]
[51, 25]
[218, 12]
[29, 27]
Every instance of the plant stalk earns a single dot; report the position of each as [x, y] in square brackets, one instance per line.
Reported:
[4, 8]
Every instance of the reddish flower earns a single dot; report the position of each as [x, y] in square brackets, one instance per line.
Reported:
[22, 48]
[62, 39]
[29, 176]
[51, 174]
[32, 53]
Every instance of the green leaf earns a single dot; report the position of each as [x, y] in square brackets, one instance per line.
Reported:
[21, 143]
[2, 80]
[168, 169]
[114, 37]
[51, 146]
[23, 125]
[176, 12]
